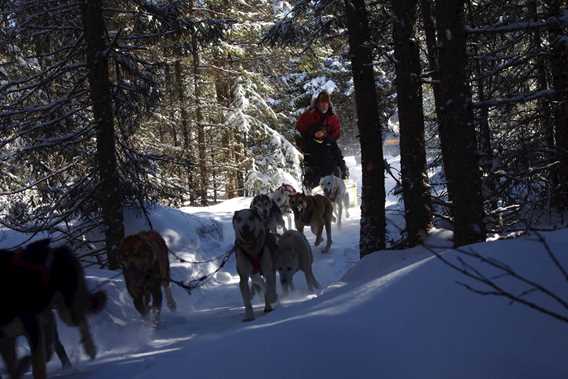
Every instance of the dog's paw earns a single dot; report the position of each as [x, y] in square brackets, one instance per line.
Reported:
[90, 348]
[24, 365]
[267, 309]
[171, 304]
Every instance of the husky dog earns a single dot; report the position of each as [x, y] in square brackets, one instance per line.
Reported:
[314, 211]
[334, 189]
[294, 254]
[146, 268]
[32, 280]
[282, 199]
[269, 212]
[255, 255]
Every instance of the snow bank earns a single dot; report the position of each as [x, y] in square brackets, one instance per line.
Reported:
[396, 314]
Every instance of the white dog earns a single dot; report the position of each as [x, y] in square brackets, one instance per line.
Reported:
[334, 189]
[282, 199]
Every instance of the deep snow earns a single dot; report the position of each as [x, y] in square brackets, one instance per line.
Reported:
[395, 314]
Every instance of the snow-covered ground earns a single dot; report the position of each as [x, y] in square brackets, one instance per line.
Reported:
[395, 314]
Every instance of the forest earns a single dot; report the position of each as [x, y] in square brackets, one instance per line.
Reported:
[118, 116]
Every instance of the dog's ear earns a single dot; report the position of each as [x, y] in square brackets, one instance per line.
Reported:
[38, 246]
[255, 213]
[235, 215]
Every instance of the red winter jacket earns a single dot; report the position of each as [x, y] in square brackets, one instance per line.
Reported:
[313, 117]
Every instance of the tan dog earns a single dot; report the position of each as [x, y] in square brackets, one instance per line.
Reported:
[316, 212]
[146, 268]
[255, 254]
[294, 254]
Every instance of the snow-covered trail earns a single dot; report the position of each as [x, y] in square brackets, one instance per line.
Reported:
[397, 314]
[214, 311]
[209, 313]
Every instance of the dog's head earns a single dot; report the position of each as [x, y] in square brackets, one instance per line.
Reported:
[298, 202]
[247, 224]
[281, 198]
[134, 254]
[262, 204]
[329, 185]
[137, 263]
[67, 283]
[287, 260]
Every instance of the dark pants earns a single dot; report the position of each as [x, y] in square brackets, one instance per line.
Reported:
[311, 179]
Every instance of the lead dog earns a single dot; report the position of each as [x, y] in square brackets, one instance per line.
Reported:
[146, 268]
[313, 211]
[294, 254]
[334, 189]
[32, 280]
[254, 256]
[269, 212]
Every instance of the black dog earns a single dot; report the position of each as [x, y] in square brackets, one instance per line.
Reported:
[32, 280]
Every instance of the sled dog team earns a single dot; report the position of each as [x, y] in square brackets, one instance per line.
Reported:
[261, 251]
[38, 280]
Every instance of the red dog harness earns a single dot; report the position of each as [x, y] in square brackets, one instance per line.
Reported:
[287, 188]
[255, 261]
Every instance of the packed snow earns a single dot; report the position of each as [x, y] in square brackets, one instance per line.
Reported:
[394, 314]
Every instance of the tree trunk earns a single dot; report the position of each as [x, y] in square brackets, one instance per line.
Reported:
[431, 46]
[372, 234]
[559, 68]
[185, 127]
[182, 103]
[416, 189]
[100, 92]
[464, 183]
[201, 147]
[223, 92]
[486, 158]
[543, 105]
[174, 102]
